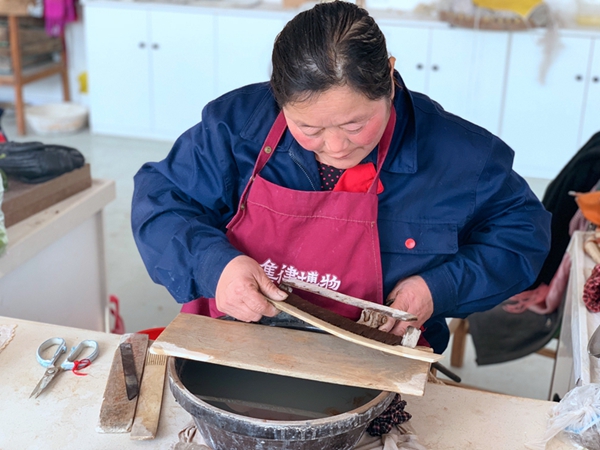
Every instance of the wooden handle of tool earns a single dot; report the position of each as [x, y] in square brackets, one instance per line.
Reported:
[591, 248]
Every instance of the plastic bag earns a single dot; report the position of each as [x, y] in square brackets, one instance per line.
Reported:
[577, 416]
[35, 162]
[3, 234]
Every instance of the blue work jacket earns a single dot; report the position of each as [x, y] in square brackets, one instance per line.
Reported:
[481, 234]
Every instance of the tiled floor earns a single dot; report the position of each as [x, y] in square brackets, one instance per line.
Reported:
[146, 305]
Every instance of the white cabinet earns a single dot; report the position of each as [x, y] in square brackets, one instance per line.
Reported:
[152, 74]
[182, 69]
[119, 74]
[591, 117]
[410, 47]
[154, 66]
[462, 70]
[467, 76]
[542, 118]
[244, 48]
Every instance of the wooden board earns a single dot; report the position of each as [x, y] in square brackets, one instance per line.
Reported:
[117, 412]
[300, 354]
[23, 200]
[399, 350]
[147, 412]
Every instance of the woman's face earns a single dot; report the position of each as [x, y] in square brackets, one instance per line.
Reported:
[340, 126]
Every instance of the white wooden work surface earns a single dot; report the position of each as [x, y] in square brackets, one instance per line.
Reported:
[54, 267]
[66, 416]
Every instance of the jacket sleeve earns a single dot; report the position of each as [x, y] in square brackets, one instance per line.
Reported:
[501, 248]
[180, 208]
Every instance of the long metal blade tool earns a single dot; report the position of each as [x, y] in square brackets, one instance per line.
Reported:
[131, 380]
[349, 300]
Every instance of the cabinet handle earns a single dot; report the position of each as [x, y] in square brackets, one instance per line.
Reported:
[142, 45]
[596, 79]
[155, 46]
[578, 77]
[419, 66]
[435, 67]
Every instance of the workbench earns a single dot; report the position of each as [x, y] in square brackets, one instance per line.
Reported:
[66, 415]
[54, 267]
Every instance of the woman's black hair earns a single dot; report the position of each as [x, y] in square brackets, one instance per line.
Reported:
[333, 44]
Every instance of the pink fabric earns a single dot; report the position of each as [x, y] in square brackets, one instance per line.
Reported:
[544, 299]
[57, 13]
[326, 238]
[578, 222]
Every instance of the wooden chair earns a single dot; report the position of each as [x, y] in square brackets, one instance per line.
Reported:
[20, 77]
[459, 328]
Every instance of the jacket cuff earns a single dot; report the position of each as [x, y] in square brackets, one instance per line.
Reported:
[443, 289]
[210, 267]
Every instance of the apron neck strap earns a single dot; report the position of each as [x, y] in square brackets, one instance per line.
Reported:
[270, 144]
[266, 151]
[384, 146]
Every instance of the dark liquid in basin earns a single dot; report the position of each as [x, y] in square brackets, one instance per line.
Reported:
[267, 396]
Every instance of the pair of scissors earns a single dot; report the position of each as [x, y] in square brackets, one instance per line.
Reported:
[53, 369]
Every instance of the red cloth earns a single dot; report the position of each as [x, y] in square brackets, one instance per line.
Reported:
[309, 235]
[591, 291]
[358, 179]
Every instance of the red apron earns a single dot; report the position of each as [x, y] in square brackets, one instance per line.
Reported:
[326, 238]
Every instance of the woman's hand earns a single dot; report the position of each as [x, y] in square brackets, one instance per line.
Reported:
[241, 288]
[411, 295]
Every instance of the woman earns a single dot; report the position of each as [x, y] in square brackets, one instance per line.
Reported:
[425, 212]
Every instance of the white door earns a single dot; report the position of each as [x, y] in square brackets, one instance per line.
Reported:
[410, 47]
[244, 48]
[183, 69]
[117, 58]
[467, 74]
[591, 118]
[541, 120]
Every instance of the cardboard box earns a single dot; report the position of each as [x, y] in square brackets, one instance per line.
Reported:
[23, 200]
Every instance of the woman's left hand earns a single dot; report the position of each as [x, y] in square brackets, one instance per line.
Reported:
[411, 295]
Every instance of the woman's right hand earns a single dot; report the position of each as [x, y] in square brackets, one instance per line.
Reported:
[241, 290]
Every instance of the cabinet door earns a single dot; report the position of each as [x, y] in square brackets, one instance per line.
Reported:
[410, 47]
[244, 48]
[182, 61]
[467, 74]
[119, 78]
[591, 118]
[541, 119]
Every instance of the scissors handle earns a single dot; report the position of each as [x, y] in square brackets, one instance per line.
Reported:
[76, 351]
[62, 347]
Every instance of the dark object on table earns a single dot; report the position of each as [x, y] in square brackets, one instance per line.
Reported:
[23, 200]
[35, 162]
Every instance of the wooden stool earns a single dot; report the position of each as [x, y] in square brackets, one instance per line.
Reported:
[19, 78]
[460, 328]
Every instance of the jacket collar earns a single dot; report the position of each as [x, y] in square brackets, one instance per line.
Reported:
[402, 155]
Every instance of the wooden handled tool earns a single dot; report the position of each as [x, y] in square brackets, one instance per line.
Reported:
[117, 411]
[412, 353]
[348, 300]
[147, 413]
